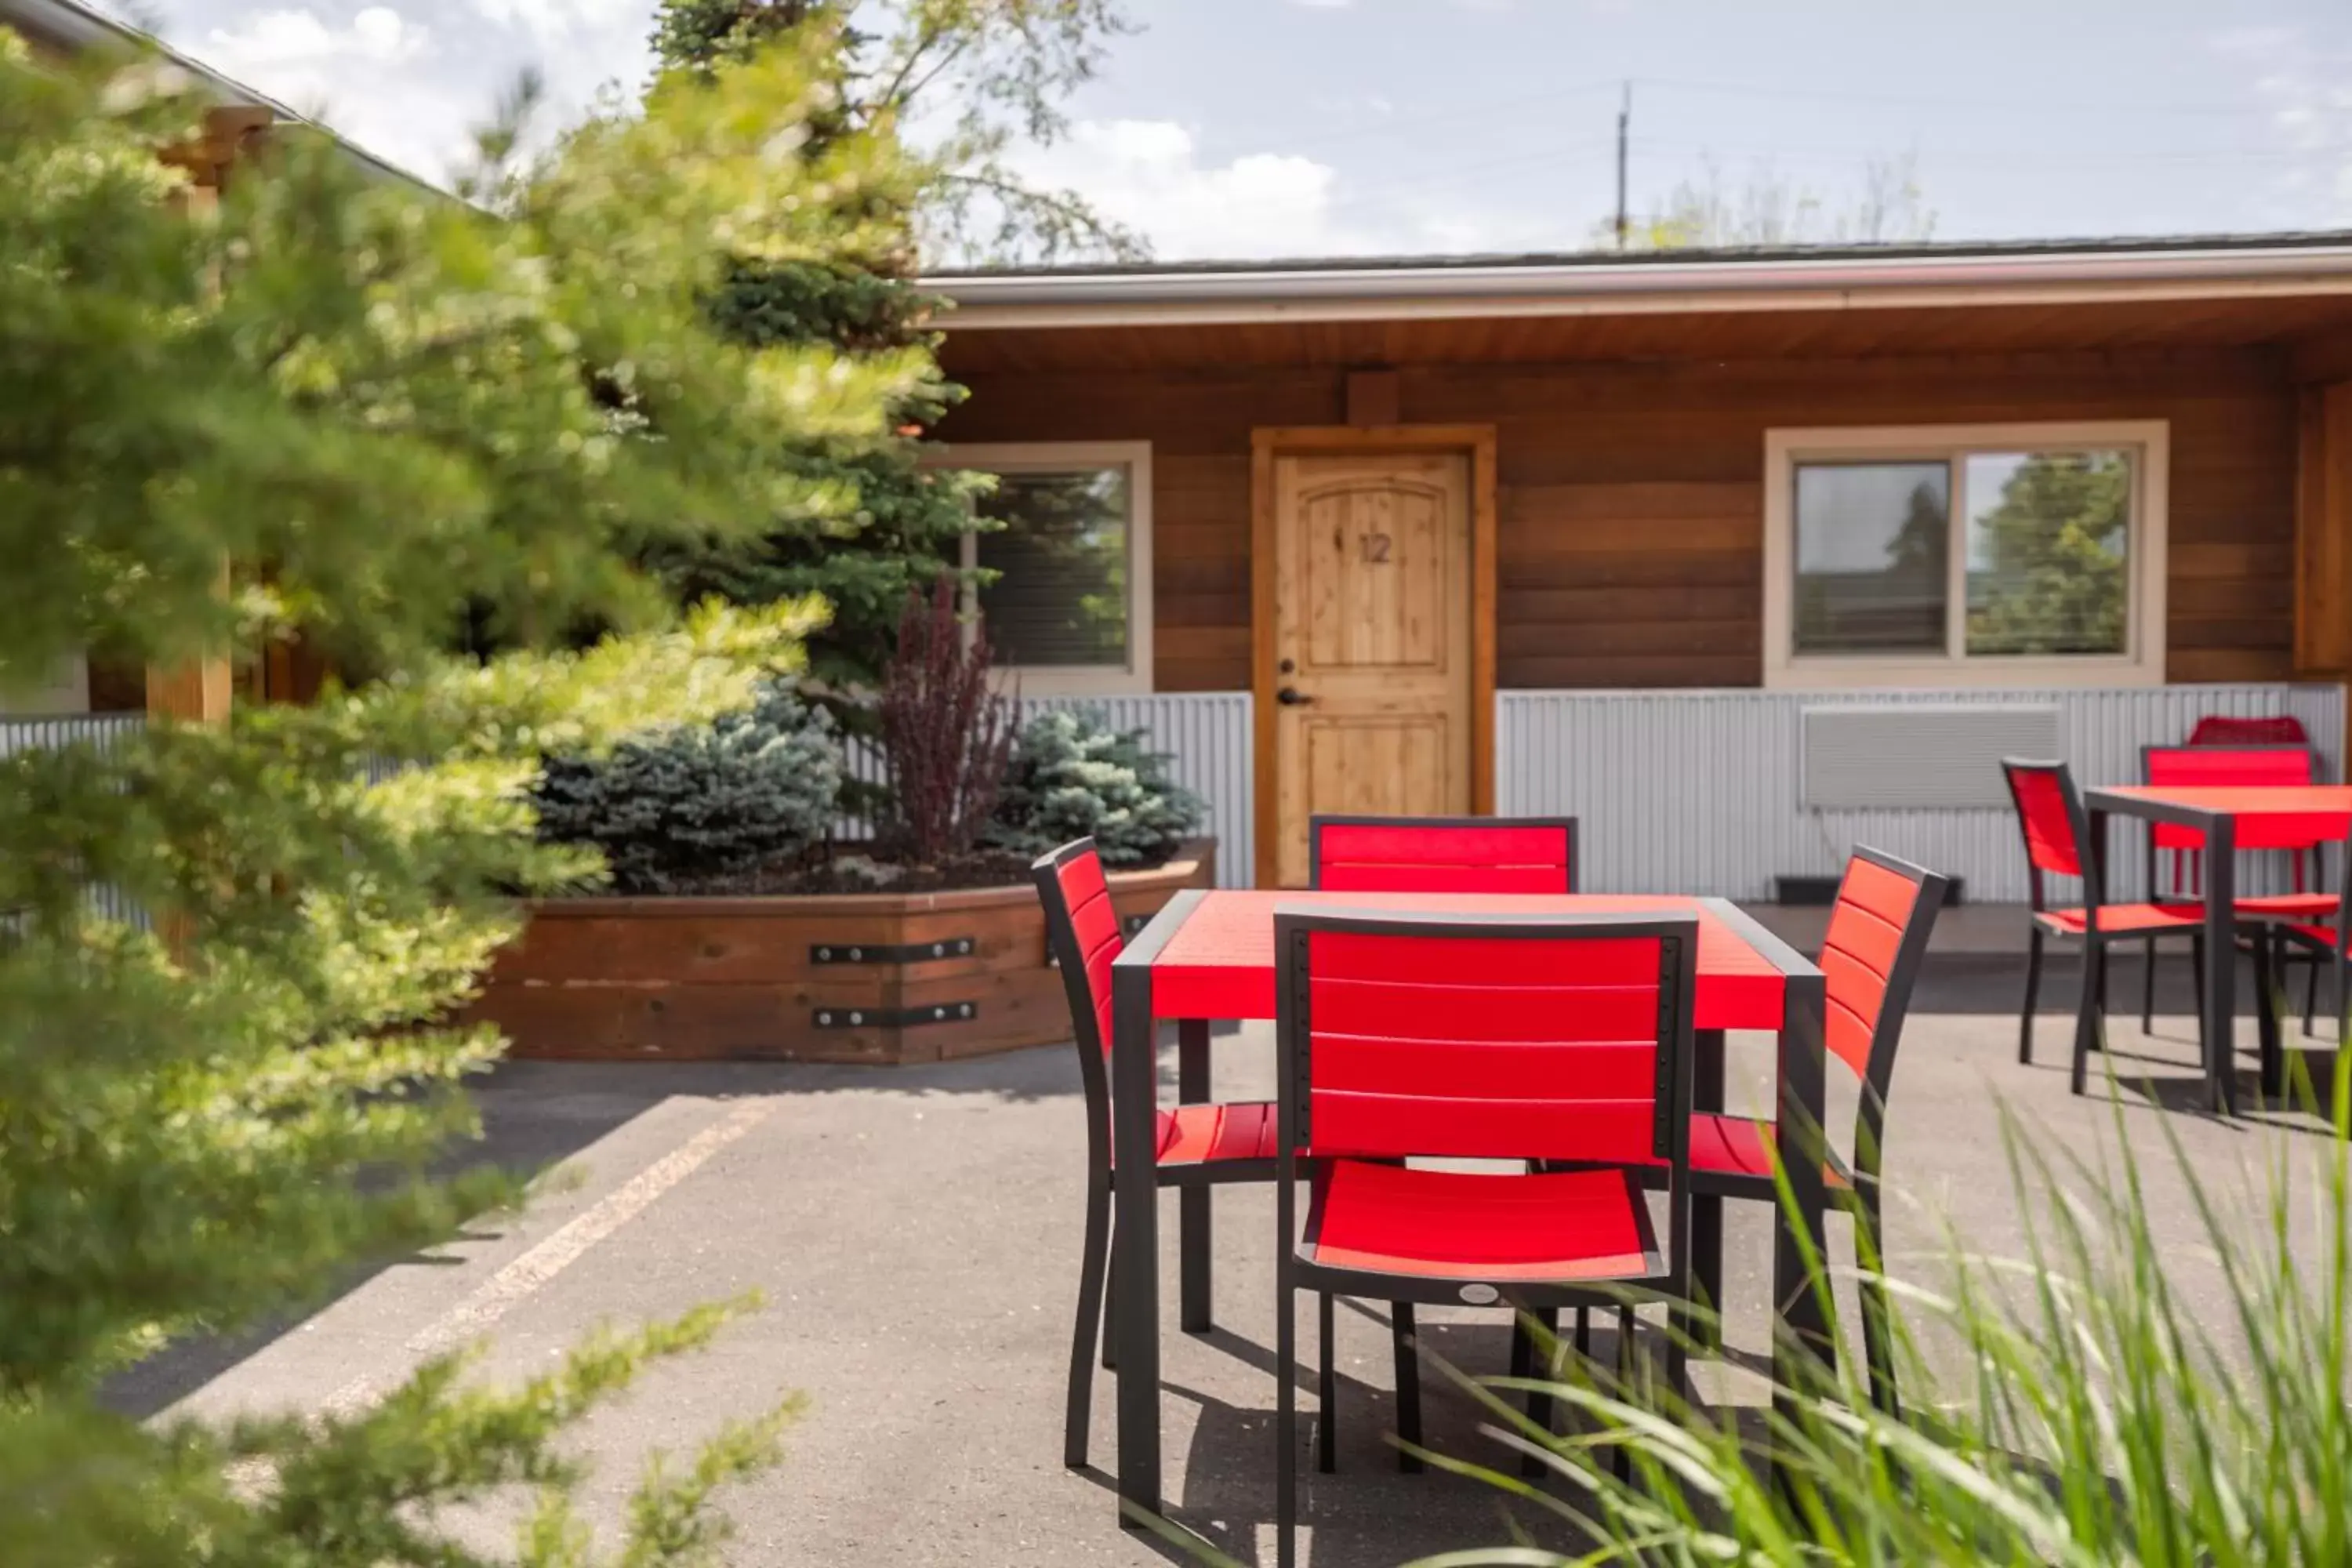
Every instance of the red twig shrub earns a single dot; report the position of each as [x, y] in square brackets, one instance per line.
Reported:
[947, 736]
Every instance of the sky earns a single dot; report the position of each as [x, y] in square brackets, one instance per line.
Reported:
[1257, 128]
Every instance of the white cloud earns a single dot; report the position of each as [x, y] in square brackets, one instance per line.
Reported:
[379, 35]
[2300, 83]
[551, 21]
[410, 79]
[1150, 174]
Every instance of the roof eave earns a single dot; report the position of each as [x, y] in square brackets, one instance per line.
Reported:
[1013, 300]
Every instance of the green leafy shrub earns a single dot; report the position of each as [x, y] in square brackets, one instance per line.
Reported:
[698, 801]
[1075, 775]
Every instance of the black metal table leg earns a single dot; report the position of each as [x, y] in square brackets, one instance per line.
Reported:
[2269, 993]
[1800, 1294]
[1134, 1125]
[2220, 966]
[1707, 1210]
[1193, 1242]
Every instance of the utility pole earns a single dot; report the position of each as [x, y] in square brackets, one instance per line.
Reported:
[1624, 122]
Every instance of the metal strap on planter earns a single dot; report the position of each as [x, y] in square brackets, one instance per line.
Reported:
[894, 1017]
[905, 953]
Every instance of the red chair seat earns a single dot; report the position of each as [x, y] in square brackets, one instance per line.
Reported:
[1742, 1146]
[2319, 935]
[1210, 1133]
[2289, 906]
[2117, 920]
[1731, 1145]
[1448, 1224]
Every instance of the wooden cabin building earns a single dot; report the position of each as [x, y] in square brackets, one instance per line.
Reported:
[1741, 556]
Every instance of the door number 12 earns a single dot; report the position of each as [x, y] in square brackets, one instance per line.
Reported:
[1375, 548]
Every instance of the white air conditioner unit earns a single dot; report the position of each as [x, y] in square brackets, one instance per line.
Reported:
[1865, 756]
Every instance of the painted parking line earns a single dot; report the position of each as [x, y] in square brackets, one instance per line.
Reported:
[512, 1285]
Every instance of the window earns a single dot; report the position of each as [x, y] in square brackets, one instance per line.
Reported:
[2029, 555]
[1067, 606]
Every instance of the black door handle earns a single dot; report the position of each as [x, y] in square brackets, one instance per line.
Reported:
[1291, 697]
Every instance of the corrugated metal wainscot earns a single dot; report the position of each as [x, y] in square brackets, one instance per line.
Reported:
[1707, 792]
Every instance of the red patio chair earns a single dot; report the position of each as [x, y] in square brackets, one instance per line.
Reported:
[1442, 854]
[1472, 1037]
[2183, 848]
[1877, 940]
[1438, 855]
[2051, 816]
[1197, 1143]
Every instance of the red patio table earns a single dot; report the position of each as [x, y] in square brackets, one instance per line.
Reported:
[1210, 955]
[2231, 817]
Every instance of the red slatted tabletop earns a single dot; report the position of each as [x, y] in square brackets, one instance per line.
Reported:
[1220, 962]
[2268, 816]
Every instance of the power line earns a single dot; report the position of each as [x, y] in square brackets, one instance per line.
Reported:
[2000, 155]
[1473, 174]
[1908, 100]
[1414, 122]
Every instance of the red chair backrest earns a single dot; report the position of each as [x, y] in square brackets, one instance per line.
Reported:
[2213, 764]
[1486, 1038]
[2046, 809]
[1870, 961]
[1881, 904]
[1082, 934]
[1442, 854]
[2221, 729]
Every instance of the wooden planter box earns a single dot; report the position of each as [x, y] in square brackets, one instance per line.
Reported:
[864, 977]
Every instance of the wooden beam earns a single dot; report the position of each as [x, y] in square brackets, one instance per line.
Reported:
[2323, 532]
[1374, 397]
[196, 693]
[230, 132]
[2323, 356]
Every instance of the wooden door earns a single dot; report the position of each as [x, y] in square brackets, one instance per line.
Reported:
[1373, 637]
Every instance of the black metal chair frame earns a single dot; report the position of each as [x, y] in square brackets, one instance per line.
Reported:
[2090, 1013]
[1667, 1276]
[1094, 1297]
[2273, 942]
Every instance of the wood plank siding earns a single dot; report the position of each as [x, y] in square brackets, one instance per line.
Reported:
[1631, 502]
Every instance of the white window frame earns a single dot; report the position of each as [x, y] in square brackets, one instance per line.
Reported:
[1134, 677]
[2141, 663]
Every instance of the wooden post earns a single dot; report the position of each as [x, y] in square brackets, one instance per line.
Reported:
[2323, 535]
[197, 692]
[191, 693]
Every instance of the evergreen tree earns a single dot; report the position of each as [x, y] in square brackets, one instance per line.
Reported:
[1007, 61]
[378, 414]
[904, 523]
